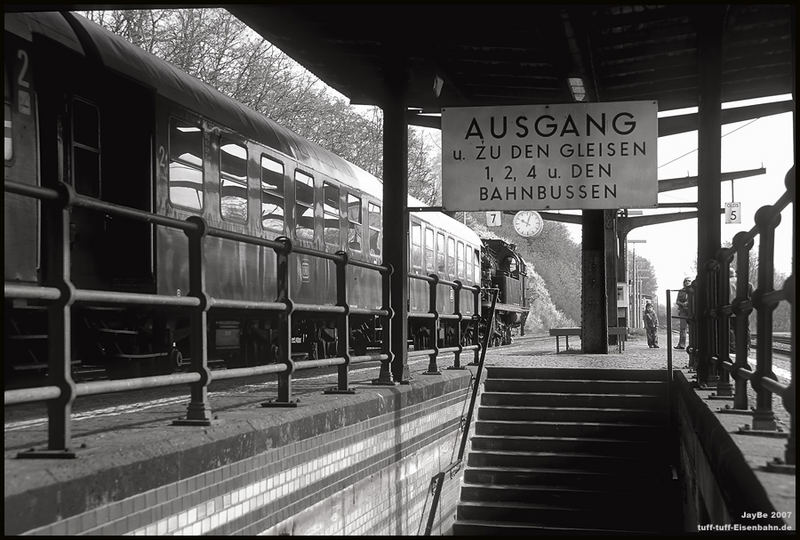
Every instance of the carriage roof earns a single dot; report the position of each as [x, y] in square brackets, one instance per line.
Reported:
[118, 54]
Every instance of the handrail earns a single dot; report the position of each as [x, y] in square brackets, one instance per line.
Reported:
[437, 482]
[728, 325]
[60, 293]
[435, 318]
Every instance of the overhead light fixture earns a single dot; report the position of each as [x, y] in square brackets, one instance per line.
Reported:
[577, 88]
[438, 83]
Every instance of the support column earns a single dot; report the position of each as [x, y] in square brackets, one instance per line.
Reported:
[594, 319]
[610, 248]
[709, 64]
[395, 212]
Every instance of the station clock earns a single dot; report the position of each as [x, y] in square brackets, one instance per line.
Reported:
[528, 223]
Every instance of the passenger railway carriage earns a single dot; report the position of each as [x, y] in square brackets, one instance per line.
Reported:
[86, 108]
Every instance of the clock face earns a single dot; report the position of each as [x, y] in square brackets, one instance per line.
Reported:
[528, 223]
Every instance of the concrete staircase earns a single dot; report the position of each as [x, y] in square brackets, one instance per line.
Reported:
[570, 451]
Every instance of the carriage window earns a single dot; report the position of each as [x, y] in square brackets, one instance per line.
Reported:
[451, 256]
[460, 259]
[374, 229]
[304, 206]
[510, 265]
[429, 250]
[416, 245]
[476, 261]
[330, 209]
[272, 202]
[440, 254]
[233, 181]
[354, 217]
[86, 148]
[185, 164]
[9, 139]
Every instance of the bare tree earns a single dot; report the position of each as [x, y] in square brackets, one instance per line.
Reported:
[217, 48]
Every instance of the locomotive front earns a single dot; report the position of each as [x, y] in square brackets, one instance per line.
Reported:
[504, 269]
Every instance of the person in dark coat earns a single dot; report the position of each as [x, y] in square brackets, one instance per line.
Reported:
[651, 325]
[683, 312]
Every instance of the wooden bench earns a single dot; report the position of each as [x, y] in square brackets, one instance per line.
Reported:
[619, 331]
[566, 332]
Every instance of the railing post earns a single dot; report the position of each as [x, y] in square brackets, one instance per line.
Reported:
[433, 307]
[457, 311]
[342, 328]
[199, 410]
[767, 220]
[742, 307]
[706, 360]
[284, 281]
[790, 398]
[723, 311]
[385, 377]
[476, 323]
[691, 323]
[59, 317]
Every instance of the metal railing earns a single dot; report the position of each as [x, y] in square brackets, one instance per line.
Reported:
[60, 391]
[437, 482]
[728, 323]
[435, 318]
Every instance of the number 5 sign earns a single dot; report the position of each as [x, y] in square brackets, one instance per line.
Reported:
[733, 212]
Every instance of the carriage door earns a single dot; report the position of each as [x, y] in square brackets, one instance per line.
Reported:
[108, 158]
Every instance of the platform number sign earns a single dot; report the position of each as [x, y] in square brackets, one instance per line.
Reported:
[493, 219]
[733, 212]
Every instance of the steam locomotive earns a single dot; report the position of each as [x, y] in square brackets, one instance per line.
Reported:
[84, 107]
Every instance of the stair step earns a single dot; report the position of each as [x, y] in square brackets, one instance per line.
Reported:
[580, 386]
[550, 399]
[608, 374]
[117, 332]
[564, 496]
[551, 515]
[589, 445]
[469, 527]
[27, 337]
[145, 356]
[547, 476]
[569, 429]
[571, 414]
[573, 460]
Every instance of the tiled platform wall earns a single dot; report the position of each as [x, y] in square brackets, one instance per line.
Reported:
[371, 477]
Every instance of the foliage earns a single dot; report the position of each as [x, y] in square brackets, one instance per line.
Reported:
[215, 47]
[544, 314]
[552, 254]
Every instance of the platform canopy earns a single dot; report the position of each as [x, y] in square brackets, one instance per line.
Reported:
[506, 54]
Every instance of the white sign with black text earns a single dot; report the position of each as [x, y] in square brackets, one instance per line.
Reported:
[534, 157]
[733, 212]
[493, 219]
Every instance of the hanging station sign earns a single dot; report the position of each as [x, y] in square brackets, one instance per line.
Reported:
[537, 157]
[733, 212]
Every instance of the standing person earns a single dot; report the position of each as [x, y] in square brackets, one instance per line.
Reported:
[683, 312]
[651, 325]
